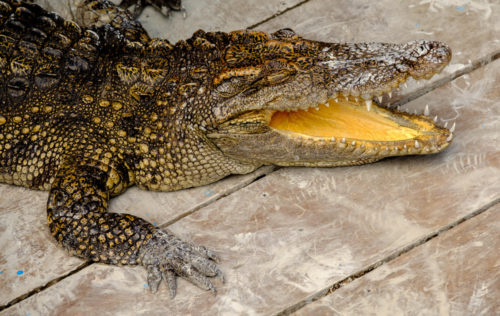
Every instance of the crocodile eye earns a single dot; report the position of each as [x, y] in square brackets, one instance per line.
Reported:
[285, 33]
[234, 81]
[233, 86]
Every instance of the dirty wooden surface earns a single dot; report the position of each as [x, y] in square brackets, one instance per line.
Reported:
[289, 237]
[457, 273]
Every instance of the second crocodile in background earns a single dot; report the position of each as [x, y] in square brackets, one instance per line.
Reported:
[87, 111]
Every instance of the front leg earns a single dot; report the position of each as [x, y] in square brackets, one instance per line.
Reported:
[79, 221]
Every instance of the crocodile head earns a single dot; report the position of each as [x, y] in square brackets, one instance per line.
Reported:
[288, 101]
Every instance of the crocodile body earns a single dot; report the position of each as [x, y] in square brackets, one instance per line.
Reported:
[87, 111]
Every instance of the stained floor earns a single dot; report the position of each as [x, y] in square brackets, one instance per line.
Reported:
[405, 236]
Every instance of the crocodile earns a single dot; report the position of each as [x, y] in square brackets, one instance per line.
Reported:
[89, 109]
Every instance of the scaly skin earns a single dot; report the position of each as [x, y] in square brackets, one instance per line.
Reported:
[87, 112]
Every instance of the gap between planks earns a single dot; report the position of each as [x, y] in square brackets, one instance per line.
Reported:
[253, 26]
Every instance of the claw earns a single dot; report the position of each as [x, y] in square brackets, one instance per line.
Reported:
[169, 277]
[205, 267]
[154, 278]
[197, 279]
[221, 277]
[204, 252]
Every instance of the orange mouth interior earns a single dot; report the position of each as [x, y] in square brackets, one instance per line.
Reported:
[344, 119]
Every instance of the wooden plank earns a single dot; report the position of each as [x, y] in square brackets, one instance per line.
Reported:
[298, 231]
[457, 273]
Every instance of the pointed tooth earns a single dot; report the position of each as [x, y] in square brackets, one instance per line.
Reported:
[417, 144]
[368, 105]
[435, 119]
[405, 85]
[379, 98]
[317, 108]
[426, 111]
[356, 99]
[332, 139]
[342, 140]
[353, 143]
[449, 137]
[452, 129]
[327, 104]
[389, 94]
[336, 100]
[445, 124]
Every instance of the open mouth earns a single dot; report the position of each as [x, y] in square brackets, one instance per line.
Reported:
[358, 123]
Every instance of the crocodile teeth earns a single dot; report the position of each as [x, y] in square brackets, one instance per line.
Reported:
[368, 105]
[435, 119]
[452, 129]
[353, 143]
[342, 140]
[379, 99]
[426, 111]
[389, 94]
[449, 137]
[417, 144]
[445, 124]
[332, 139]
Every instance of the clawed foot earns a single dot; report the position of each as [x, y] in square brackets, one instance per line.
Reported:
[166, 256]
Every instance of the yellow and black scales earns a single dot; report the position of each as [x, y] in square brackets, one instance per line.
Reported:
[86, 112]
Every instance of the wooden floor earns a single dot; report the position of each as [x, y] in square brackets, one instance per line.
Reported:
[405, 236]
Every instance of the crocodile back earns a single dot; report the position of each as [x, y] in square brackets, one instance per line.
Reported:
[47, 66]
[40, 52]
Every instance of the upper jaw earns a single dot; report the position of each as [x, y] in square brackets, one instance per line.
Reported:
[369, 70]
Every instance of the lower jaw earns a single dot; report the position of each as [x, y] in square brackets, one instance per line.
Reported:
[285, 149]
[315, 151]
